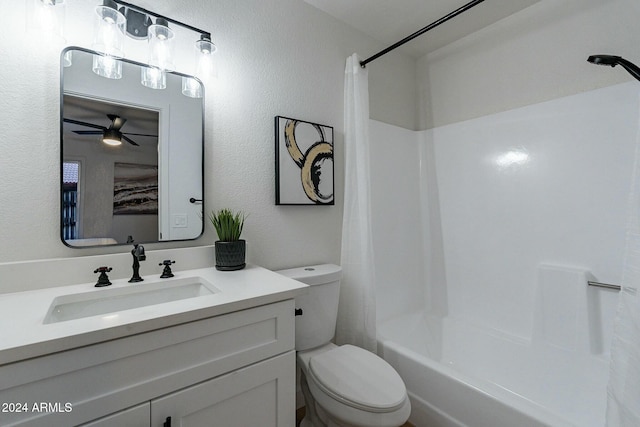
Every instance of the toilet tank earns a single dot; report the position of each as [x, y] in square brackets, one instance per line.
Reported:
[317, 324]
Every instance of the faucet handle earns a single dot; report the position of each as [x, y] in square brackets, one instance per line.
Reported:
[103, 279]
[166, 273]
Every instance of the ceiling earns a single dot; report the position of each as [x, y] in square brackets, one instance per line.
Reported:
[95, 112]
[390, 21]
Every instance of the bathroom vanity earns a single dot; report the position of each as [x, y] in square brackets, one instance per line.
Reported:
[216, 348]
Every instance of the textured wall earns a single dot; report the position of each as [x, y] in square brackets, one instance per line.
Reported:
[276, 57]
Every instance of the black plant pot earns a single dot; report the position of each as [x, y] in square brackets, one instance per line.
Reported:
[230, 256]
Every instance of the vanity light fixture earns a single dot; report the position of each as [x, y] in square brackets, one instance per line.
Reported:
[108, 39]
[117, 18]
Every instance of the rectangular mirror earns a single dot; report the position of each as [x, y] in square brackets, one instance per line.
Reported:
[131, 155]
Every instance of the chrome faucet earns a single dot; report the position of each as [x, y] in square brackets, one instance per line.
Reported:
[138, 255]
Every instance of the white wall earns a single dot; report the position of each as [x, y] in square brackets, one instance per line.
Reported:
[533, 56]
[276, 57]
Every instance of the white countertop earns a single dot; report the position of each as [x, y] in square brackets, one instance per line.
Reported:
[24, 335]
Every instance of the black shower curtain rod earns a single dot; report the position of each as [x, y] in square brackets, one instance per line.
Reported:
[422, 31]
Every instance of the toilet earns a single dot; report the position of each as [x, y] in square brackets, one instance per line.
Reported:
[342, 385]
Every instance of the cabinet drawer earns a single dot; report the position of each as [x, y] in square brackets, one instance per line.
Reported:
[138, 416]
[104, 378]
[262, 395]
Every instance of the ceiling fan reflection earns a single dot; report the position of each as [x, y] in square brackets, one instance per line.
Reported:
[110, 135]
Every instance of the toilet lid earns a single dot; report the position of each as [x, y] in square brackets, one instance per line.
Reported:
[358, 378]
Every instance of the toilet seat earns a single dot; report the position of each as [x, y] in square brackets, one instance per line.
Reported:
[359, 379]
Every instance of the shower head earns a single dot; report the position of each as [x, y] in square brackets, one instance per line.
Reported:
[613, 60]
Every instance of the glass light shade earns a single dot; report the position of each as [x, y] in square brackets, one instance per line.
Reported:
[112, 142]
[111, 137]
[191, 87]
[107, 66]
[205, 46]
[160, 40]
[67, 59]
[108, 38]
[153, 78]
[109, 31]
[47, 19]
[204, 58]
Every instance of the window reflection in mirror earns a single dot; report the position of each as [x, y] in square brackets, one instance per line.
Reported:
[70, 184]
[131, 158]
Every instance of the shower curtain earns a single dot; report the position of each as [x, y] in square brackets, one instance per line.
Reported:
[357, 310]
[623, 391]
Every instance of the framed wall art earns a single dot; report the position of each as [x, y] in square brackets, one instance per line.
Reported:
[135, 189]
[304, 162]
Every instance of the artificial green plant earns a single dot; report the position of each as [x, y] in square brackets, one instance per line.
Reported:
[228, 224]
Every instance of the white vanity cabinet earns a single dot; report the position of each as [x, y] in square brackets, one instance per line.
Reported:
[132, 417]
[235, 369]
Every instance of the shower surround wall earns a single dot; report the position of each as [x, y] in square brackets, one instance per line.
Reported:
[544, 184]
[529, 204]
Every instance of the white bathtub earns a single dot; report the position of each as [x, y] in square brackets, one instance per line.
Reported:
[459, 374]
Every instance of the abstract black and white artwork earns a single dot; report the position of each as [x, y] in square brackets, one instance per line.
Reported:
[304, 162]
[135, 189]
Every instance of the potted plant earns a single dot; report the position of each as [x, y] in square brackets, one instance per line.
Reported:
[230, 249]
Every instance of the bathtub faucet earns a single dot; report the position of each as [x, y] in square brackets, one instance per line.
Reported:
[138, 255]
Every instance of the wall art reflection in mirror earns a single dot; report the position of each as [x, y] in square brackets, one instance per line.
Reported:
[131, 156]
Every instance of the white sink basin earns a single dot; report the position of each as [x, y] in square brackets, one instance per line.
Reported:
[104, 301]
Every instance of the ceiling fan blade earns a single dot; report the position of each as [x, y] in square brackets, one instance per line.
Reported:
[129, 140]
[116, 121]
[78, 122]
[139, 134]
[87, 132]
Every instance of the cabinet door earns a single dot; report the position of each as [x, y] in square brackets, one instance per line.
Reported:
[262, 394]
[137, 416]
